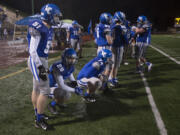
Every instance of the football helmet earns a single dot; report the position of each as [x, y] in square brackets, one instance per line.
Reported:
[142, 19]
[51, 14]
[119, 16]
[69, 56]
[105, 18]
[75, 23]
[105, 54]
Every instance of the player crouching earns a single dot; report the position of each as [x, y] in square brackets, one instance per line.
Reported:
[90, 77]
[60, 73]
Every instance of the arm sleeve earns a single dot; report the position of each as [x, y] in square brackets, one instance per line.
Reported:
[34, 42]
[71, 77]
[60, 81]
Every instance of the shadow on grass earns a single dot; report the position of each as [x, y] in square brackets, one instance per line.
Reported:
[105, 106]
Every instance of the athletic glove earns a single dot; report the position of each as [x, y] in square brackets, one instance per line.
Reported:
[79, 91]
[73, 84]
[42, 73]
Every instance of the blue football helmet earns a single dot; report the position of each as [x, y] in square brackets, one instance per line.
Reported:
[105, 18]
[75, 23]
[51, 14]
[105, 54]
[69, 56]
[142, 19]
[119, 16]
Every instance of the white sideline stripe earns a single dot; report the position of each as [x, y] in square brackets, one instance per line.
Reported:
[159, 121]
[165, 54]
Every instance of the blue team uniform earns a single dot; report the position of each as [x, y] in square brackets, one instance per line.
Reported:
[142, 37]
[59, 66]
[128, 31]
[46, 37]
[149, 34]
[118, 35]
[89, 71]
[100, 34]
[74, 32]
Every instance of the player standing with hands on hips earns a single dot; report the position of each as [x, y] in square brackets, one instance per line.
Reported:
[40, 36]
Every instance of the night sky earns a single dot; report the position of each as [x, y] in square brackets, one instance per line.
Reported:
[160, 12]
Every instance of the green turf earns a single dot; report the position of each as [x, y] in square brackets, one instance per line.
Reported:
[127, 112]
[168, 43]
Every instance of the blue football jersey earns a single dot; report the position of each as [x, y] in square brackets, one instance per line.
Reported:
[142, 37]
[74, 32]
[100, 34]
[119, 36]
[128, 30]
[46, 35]
[61, 69]
[89, 71]
[149, 34]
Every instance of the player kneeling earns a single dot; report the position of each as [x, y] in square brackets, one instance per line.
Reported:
[90, 77]
[62, 81]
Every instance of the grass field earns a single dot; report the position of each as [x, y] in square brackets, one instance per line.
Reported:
[126, 112]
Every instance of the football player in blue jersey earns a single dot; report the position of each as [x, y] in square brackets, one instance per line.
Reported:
[62, 81]
[73, 36]
[103, 39]
[119, 41]
[91, 77]
[142, 32]
[40, 36]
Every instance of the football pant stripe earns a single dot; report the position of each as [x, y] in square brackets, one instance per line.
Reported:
[34, 70]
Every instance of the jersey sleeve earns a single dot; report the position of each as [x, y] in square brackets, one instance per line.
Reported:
[107, 30]
[33, 45]
[60, 81]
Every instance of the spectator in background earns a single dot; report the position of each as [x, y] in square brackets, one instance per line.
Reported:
[5, 32]
[17, 13]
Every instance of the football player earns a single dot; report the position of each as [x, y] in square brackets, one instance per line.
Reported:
[62, 81]
[73, 36]
[119, 41]
[91, 77]
[103, 39]
[40, 36]
[142, 32]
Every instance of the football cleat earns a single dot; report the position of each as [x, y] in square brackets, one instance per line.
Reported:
[52, 109]
[41, 124]
[89, 98]
[46, 117]
[113, 82]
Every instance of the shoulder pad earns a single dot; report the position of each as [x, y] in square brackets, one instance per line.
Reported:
[36, 24]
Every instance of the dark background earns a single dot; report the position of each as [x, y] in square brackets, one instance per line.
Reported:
[160, 12]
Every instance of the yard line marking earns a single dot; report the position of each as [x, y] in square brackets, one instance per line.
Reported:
[22, 70]
[13, 74]
[165, 54]
[159, 121]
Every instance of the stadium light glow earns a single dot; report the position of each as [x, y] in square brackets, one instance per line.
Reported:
[177, 20]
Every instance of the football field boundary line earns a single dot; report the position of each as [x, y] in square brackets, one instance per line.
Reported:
[159, 121]
[165, 54]
[22, 70]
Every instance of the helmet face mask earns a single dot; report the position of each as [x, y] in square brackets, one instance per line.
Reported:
[69, 57]
[71, 60]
